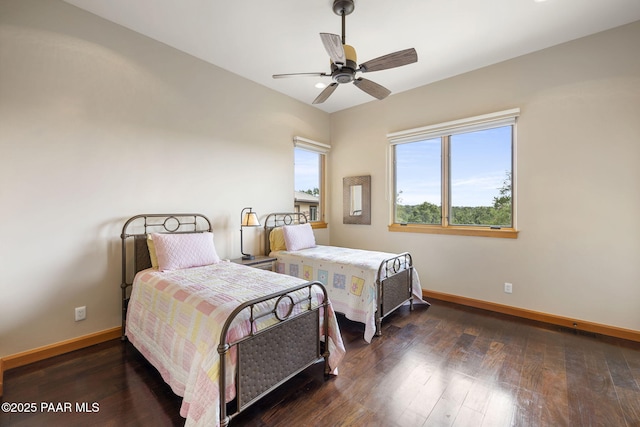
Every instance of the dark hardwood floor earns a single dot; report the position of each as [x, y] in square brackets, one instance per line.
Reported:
[445, 366]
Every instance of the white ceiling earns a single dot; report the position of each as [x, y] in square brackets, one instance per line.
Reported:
[258, 38]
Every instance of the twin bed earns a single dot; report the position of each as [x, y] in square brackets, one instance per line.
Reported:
[223, 335]
[365, 286]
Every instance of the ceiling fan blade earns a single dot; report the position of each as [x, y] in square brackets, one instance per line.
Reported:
[282, 76]
[333, 46]
[326, 93]
[372, 88]
[392, 60]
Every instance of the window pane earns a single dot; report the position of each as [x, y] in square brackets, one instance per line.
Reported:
[307, 175]
[480, 177]
[418, 182]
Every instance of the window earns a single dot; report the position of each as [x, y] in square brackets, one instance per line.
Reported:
[456, 177]
[309, 179]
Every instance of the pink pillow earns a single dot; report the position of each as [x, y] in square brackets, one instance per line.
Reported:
[298, 237]
[175, 251]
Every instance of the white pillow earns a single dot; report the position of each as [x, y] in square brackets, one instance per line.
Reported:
[298, 237]
[176, 251]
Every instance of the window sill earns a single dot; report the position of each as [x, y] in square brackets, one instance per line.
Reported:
[503, 233]
[318, 224]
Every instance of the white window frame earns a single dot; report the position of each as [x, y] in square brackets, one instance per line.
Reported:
[444, 130]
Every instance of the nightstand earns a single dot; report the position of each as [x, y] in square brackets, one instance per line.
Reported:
[260, 261]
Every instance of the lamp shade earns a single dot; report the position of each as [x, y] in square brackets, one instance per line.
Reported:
[250, 219]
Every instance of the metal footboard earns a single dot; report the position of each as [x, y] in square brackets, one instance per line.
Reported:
[268, 357]
[394, 284]
[394, 279]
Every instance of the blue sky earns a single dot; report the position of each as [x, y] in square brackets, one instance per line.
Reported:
[307, 170]
[479, 164]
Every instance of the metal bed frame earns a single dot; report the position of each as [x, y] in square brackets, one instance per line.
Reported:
[394, 279]
[135, 252]
[263, 363]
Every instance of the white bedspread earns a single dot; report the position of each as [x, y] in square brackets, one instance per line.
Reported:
[349, 276]
[175, 319]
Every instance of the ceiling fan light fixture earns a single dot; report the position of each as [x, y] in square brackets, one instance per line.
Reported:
[344, 75]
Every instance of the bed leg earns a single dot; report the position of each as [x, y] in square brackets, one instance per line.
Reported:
[324, 347]
[378, 326]
[327, 368]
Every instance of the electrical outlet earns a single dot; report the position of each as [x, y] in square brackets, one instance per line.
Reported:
[81, 313]
[508, 288]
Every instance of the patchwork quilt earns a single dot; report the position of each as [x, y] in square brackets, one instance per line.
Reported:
[349, 276]
[175, 320]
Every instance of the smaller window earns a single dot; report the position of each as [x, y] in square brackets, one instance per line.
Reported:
[309, 179]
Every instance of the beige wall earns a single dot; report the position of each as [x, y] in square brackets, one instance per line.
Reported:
[578, 180]
[98, 124]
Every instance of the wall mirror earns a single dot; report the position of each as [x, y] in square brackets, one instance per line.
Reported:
[356, 200]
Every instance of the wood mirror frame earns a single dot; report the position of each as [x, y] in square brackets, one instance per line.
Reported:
[356, 200]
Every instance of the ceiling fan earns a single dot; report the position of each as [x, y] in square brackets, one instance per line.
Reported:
[344, 64]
